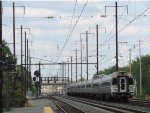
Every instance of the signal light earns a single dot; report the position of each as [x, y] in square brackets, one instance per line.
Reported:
[34, 79]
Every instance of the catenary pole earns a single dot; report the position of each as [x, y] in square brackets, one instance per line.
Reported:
[97, 46]
[40, 78]
[87, 53]
[21, 62]
[140, 68]
[116, 36]
[71, 69]
[1, 55]
[76, 63]
[68, 71]
[25, 65]
[14, 30]
[81, 58]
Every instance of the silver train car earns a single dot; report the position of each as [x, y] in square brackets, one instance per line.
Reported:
[118, 85]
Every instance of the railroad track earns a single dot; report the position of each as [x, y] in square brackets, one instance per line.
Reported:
[107, 107]
[134, 102]
[64, 107]
[139, 102]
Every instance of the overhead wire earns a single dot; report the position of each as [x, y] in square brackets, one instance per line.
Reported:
[126, 26]
[118, 21]
[72, 18]
[119, 30]
[109, 35]
[67, 39]
[70, 22]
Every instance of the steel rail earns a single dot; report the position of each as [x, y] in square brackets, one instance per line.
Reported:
[103, 106]
[59, 106]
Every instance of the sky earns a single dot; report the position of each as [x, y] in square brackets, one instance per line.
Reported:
[56, 28]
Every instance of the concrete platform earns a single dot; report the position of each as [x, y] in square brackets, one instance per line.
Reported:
[34, 106]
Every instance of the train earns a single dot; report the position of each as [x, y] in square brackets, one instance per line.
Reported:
[116, 86]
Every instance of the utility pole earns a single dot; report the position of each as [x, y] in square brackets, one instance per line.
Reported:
[71, 69]
[40, 78]
[140, 68]
[29, 69]
[87, 53]
[25, 66]
[1, 55]
[21, 62]
[81, 57]
[14, 29]
[97, 46]
[130, 61]
[63, 76]
[86, 50]
[116, 37]
[65, 72]
[116, 18]
[68, 71]
[76, 63]
[22, 53]
[14, 37]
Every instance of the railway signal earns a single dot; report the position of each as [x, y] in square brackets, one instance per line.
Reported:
[36, 81]
[6, 63]
[37, 73]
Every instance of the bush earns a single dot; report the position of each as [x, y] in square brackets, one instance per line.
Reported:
[17, 99]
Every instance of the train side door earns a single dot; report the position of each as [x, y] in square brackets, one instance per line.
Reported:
[123, 83]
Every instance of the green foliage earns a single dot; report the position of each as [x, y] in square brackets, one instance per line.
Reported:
[112, 69]
[6, 49]
[145, 67]
[17, 99]
[16, 96]
[108, 70]
[33, 89]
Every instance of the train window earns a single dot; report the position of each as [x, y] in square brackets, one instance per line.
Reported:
[95, 85]
[114, 81]
[82, 86]
[105, 84]
[88, 86]
[130, 81]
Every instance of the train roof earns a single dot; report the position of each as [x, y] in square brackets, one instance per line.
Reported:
[102, 78]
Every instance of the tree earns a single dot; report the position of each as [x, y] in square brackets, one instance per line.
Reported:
[12, 82]
[111, 70]
[145, 64]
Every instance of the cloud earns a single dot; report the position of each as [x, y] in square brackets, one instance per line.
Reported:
[33, 12]
[50, 33]
[42, 12]
[131, 30]
[47, 35]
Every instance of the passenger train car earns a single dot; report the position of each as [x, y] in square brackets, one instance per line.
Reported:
[118, 85]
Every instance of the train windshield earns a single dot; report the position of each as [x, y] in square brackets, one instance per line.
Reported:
[130, 81]
[114, 81]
